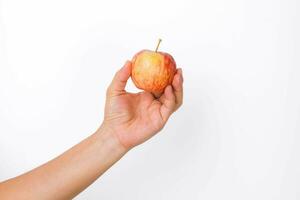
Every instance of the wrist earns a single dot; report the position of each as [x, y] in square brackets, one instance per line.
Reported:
[110, 138]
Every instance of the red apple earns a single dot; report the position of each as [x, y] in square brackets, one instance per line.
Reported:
[152, 71]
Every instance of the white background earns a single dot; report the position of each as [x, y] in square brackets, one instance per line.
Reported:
[237, 135]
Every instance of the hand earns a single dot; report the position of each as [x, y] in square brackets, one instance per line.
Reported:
[136, 117]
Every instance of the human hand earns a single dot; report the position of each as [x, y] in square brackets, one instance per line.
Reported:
[136, 117]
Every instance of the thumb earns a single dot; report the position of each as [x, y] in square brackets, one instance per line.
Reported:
[119, 81]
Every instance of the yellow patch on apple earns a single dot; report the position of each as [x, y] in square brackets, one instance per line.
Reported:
[153, 71]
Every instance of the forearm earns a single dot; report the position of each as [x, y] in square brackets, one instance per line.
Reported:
[70, 173]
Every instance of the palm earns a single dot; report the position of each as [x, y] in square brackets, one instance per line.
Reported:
[136, 113]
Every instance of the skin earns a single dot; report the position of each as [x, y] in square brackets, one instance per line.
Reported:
[130, 119]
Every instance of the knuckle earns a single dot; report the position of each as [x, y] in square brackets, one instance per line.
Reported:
[180, 104]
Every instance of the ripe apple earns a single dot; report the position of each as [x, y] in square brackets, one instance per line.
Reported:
[152, 71]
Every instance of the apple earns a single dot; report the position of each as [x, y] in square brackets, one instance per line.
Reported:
[152, 71]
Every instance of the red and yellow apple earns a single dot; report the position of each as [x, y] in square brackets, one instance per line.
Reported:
[152, 71]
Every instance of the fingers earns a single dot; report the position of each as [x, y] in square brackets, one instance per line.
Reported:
[168, 103]
[119, 81]
[178, 88]
[172, 97]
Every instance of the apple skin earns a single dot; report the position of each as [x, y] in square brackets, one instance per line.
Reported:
[153, 71]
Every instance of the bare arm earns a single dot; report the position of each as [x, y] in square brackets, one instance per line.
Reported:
[70, 173]
[130, 119]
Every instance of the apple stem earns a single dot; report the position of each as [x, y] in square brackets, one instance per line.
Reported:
[159, 41]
